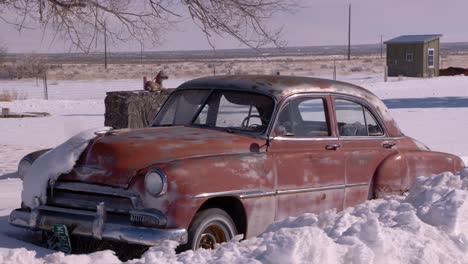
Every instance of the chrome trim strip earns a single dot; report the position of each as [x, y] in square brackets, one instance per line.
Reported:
[315, 189]
[237, 193]
[322, 188]
[357, 138]
[351, 185]
[255, 193]
[304, 138]
[351, 138]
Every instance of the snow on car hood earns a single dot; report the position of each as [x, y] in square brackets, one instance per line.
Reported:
[51, 165]
[116, 158]
[429, 225]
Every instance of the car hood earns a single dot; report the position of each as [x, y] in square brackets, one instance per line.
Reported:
[114, 159]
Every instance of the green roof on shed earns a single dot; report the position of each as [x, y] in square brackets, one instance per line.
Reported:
[413, 39]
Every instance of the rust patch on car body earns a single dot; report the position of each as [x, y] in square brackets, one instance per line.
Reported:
[121, 154]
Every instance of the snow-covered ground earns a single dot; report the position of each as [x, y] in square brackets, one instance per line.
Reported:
[415, 229]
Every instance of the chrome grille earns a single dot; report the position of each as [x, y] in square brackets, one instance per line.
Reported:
[87, 196]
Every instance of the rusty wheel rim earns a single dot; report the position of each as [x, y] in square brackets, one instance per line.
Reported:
[213, 234]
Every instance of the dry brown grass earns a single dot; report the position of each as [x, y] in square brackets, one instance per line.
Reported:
[11, 95]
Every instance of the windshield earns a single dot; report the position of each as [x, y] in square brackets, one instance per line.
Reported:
[227, 110]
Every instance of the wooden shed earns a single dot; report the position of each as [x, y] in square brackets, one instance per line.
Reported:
[413, 55]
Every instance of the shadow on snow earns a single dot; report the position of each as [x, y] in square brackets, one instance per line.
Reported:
[428, 102]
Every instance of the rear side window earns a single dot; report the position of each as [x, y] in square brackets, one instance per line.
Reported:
[354, 120]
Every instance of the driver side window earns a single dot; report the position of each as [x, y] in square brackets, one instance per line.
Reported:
[303, 117]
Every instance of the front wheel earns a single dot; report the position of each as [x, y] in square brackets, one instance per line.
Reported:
[210, 227]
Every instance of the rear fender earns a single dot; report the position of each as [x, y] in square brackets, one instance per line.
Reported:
[389, 176]
[397, 172]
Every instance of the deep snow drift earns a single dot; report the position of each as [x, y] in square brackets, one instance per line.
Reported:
[430, 225]
[48, 167]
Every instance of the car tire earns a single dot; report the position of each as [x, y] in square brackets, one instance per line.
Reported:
[209, 227]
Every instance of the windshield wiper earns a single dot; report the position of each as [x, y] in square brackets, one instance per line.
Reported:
[163, 125]
[202, 126]
[226, 129]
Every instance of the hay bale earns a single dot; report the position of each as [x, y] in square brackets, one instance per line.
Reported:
[133, 109]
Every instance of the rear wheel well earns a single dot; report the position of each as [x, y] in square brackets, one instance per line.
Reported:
[233, 207]
[372, 194]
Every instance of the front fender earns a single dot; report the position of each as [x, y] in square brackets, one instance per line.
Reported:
[397, 172]
[34, 155]
[189, 180]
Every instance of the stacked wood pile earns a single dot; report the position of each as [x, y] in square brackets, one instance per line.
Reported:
[452, 71]
[133, 109]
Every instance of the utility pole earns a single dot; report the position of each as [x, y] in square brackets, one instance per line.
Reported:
[381, 46]
[105, 45]
[349, 34]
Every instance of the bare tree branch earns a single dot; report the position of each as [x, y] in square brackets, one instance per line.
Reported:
[81, 21]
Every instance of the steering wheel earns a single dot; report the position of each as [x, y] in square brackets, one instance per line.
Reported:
[254, 126]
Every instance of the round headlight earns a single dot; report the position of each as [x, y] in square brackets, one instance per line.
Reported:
[156, 182]
[23, 167]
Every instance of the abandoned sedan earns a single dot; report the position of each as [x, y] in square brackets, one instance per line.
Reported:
[231, 155]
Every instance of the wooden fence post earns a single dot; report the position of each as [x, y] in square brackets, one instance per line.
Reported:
[46, 92]
[334, 70]
[5, 112]
[386, 73]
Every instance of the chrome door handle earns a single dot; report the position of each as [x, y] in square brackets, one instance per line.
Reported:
[332, 147]
[388, 144]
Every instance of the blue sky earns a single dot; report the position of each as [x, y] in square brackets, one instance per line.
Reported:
[318, 22]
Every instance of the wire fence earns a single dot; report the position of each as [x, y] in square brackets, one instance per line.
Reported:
[72, 89]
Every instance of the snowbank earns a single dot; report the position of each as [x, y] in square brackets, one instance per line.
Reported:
[48, 167]
[427, 226]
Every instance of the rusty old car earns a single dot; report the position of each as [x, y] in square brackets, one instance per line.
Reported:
[231, 155]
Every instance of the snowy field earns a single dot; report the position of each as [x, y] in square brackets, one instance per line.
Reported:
[428, 226]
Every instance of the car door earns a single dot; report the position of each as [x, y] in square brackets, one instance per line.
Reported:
[308, 161]
[364, 143]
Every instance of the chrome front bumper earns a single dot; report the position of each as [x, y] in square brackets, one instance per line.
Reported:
[93, 224]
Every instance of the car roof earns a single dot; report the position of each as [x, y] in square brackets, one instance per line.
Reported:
[278, 86]
[281, 87]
